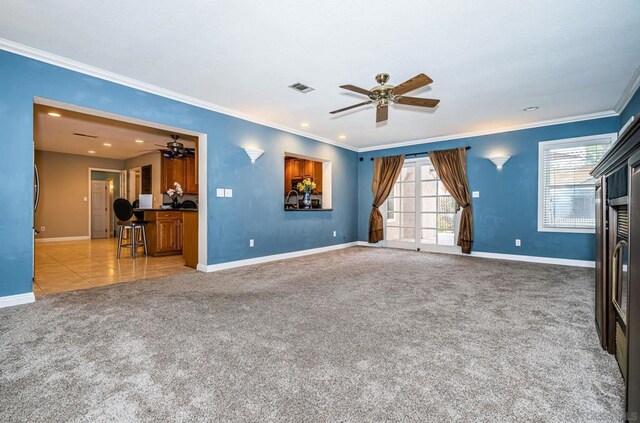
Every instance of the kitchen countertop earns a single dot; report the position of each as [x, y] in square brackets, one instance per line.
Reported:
[165, 210]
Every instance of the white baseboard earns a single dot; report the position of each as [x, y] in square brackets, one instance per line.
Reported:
[274, 257]
[513, 257]
[12, 300]
[535, 259]
[64, 238]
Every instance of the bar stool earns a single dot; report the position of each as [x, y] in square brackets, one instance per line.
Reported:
[123, 210]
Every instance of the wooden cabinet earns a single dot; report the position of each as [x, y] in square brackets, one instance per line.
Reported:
[191, 175]
[297, 168]
[164, 232]
[184, 171]
[190, 237]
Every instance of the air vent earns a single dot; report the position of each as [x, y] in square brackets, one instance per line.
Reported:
[301, 87]
[77, 134]
[623, 222]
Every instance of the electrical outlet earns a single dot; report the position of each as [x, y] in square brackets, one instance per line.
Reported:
[84, 199]
[251, 243]
[219, 192]
[517, 243]
[228, 192]
[335, 234]
[475, 194]
[42, 228]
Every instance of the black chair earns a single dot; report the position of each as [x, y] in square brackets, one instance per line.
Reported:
[123, 210]
[188, 204]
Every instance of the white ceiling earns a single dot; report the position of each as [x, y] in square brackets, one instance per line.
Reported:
[488, 59]
[57, 134]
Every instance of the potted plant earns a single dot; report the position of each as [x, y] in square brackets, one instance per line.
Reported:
[174, 193]
[306, 187]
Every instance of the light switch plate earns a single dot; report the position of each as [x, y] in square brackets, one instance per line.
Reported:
[228, 192]
[219, 192]
[251, 243]
[518, 243]
[475, 194]
[84, 199]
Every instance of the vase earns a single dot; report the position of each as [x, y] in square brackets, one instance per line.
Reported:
[174, 203]
[306, 200]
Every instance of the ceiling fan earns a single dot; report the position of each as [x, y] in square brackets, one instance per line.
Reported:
[383, 94]
[174, 149]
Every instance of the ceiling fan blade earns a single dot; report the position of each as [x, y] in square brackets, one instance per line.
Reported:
[352, 107]
[412, 84]
[415, 101]
[356, 89]
[382, 113]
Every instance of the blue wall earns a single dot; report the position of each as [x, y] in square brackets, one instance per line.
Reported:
[508, 205]
[255, 211]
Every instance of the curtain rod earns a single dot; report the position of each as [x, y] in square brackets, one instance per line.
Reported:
[418, 154]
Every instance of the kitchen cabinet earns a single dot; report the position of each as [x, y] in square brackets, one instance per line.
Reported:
[184, 171]
[297, 168]
[164, 232]
[191, 175]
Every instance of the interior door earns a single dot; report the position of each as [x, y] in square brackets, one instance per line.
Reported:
[420, 214]
[99, 209]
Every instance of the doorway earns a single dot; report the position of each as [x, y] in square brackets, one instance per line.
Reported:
[105, 185]
[420, 214]
[100, 209]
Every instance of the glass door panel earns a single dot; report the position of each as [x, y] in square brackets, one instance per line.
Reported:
[420, 212]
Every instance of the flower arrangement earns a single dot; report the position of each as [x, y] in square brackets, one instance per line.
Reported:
[306, 186]
[174, 193]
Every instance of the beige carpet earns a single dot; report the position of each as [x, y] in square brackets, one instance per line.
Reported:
[353, 335]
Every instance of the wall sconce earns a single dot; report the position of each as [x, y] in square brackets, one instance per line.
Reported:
[253, 153]
[499, 161]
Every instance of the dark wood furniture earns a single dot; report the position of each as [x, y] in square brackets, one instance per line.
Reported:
[617, 278]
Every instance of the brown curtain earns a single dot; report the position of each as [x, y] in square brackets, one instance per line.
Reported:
[451, 167]
[385, 174]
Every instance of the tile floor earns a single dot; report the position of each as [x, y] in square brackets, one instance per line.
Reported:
[68, 266]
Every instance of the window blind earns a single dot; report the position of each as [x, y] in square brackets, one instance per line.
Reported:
[568, 189]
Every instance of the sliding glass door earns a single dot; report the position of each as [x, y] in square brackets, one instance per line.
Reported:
[420, 214]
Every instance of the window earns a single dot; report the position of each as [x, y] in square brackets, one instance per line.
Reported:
[316, 174]
[566, 191]
[419, 211]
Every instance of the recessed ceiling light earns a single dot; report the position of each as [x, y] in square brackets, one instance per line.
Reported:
[342, 137]
[106, 144]
[304, 124]
[54, 114]
[530, 109]
[91, 152]
[140, 141]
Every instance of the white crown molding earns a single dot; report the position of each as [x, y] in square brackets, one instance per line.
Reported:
[629, 91]
[63, 239]
[73, 65]
[542, 123]
[13, 300]
[274, 257]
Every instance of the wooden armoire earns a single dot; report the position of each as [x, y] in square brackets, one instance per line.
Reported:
[617, 289]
